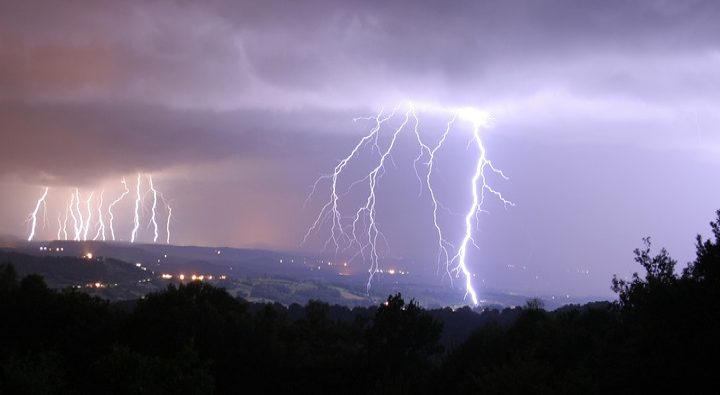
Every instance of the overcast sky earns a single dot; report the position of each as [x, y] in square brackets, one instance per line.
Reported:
[605, 119]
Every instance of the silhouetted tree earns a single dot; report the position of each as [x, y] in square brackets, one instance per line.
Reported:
[706, 267]
[671, 323]
[8, 279]
[661, 336]
[659, 276]
[197, 318]
[402, 344]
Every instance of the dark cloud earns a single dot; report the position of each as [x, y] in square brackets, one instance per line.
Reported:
[249, 101]
[61, 140]
[277, 54]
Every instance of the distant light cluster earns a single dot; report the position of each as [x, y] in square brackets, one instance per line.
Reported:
[56, 249]
[193, 277]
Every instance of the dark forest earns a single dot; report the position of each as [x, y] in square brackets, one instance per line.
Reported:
[662, 334]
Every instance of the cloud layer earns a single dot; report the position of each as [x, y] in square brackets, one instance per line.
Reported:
[263, 93]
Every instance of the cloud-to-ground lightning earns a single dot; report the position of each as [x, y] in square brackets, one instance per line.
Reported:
[153, 214]
[443, 244]
[86, 227]
[33, 215]
[60, 227]
[88, 213]
[167, 223]
[114, 202]
[71, 209]
[331, 209]
[101, 222]
[65, 221]
[139, 199]
[136, 218]
[479, 186]
[79, 219]
[360, 230]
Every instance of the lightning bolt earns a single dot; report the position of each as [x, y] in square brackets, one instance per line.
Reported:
[71, 208]
[33, 215]
[168, 219]
[136, 219]
[479, 186]
[67, 210]
[154, 208]
[114, 202]
[86, 227]
[84, 221]
[60, 228]
[79, 220]
[330, 209]
[167, 225]
[367, 212]
[101, 223]
[361, 229]
[443, 244]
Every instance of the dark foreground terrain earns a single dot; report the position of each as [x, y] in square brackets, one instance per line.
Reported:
[663, 335]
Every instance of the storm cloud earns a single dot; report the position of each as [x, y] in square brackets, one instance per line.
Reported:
[603, 112]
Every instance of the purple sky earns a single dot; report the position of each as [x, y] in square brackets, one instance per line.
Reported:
[605, 119]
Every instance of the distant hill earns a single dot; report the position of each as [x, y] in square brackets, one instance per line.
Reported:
[66, 271]
[126, 271]
[107, 277]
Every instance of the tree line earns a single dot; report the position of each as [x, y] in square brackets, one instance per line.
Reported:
[662, 334]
